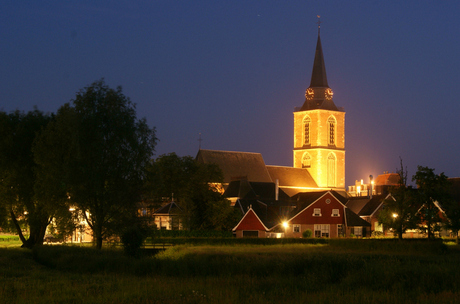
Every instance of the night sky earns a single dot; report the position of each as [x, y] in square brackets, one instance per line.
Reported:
[234, 71]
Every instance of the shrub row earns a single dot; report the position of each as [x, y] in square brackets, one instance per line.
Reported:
[234, 241]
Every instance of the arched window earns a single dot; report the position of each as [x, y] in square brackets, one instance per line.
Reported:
[306, 130]
[331, 169]
[306, 160]
[331, 135]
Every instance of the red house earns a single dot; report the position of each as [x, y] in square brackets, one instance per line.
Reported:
[324, 213]
[251, 226]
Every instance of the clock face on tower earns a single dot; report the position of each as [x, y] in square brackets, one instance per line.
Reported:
[309, 94]
[328, 94]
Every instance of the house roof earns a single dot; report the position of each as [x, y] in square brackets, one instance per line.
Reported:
[372, 205]
[357, 203]
[237, 165]
[250, 221]
[254, 190]
[170, 208]
[292, 177]
[265, 212]
[391, 179]
[307, 198]
[353, 220]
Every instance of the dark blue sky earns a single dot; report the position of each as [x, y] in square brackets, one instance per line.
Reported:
[234, 71]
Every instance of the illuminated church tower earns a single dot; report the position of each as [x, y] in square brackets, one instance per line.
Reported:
[319, 130]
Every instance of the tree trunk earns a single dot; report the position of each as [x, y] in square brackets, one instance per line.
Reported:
[18, 228]
[37, 228]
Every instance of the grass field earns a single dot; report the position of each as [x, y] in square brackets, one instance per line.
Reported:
[343, 271]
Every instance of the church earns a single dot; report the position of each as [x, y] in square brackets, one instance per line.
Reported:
[318, 145]
[310, 196]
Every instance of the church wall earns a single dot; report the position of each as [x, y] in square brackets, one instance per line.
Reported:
[319, 149]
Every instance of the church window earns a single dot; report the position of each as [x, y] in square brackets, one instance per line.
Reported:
[306, 161]
[331, 170]
[331, 136]
[306, 130]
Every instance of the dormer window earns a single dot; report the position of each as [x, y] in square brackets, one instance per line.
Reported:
[317, 212]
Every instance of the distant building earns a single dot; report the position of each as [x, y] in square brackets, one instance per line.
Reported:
[379, 186]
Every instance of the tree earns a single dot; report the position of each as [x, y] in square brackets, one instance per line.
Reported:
[18, 175]
[100, 152]
[399, 208]
[452, 209]
[432, 192]
[191, 183]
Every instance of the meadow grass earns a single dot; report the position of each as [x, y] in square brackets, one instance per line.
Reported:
[343, 271]
[9, 240]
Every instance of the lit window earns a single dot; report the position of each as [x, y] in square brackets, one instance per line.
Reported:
[358, 231]
[317, 212]
[322, 230]
[331, 135]
[296, 228]
[335, 212]
[306, 132]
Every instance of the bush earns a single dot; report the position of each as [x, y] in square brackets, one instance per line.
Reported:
[377, 234]
[132, 239]
[307, 233]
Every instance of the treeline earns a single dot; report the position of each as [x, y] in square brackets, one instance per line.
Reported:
[429, 207]
[92, 161]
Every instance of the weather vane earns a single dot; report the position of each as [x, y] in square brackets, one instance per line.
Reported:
[319, 22]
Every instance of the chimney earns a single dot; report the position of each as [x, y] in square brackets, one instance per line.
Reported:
[371, 186]
[277, 189]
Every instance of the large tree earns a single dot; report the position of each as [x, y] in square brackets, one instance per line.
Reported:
[100, 150]
[400, 207]
[18, 179]
[192, 185]
[432, 193]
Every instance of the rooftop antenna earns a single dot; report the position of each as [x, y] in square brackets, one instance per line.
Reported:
[199, 140]
[319, 23]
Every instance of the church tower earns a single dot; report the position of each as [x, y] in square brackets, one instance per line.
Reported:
[319, 130]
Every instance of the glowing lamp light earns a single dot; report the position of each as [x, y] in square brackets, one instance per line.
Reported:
[395, 215]
[285, 224]
[358, 189]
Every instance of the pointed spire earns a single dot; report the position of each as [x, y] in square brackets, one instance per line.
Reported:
[318, 76]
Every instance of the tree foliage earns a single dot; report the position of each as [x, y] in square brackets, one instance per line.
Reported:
[99, 152]
[191, 184]
[399, 207]
[19, 203]
[432, 193]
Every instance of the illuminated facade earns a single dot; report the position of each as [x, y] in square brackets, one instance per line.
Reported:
[319, 131]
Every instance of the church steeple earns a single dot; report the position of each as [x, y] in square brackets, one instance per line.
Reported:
[318, 76]
[319, 95]
[319, 130]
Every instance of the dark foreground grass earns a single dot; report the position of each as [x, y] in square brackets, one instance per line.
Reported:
[344, 271]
